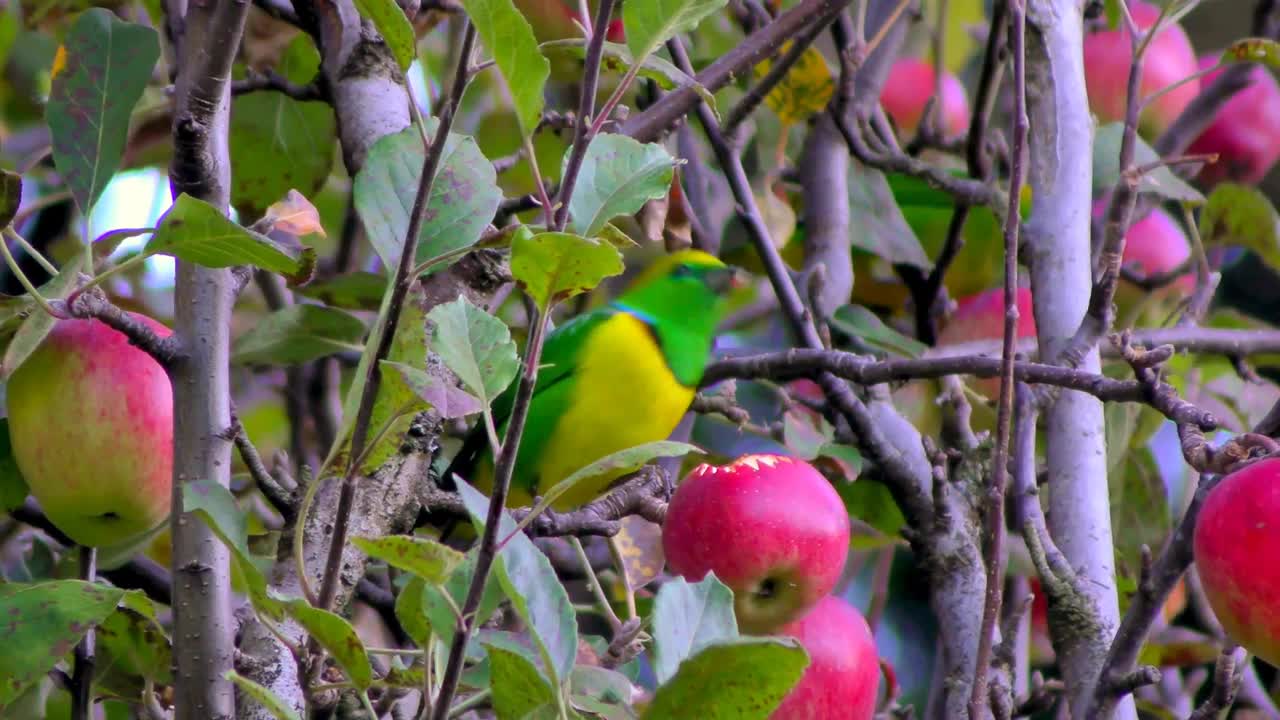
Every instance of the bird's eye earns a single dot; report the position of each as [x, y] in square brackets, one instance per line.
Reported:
[682, 271]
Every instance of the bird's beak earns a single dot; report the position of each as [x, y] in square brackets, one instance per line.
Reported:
[728, 278]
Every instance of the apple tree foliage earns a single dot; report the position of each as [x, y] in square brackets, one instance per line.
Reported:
[322, 223]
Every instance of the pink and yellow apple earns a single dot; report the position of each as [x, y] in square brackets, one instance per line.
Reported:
[981, 317]
[907, 91]
[1169, 59]
[1235, 543]
[843, 675]
[1154, 245]
[91, 423]
[770, 527]
[1246, 131]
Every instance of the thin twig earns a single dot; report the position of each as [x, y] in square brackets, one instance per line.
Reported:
[897, 469]
[978, 698]
[586, 126]
[83, 662]
[777, 72]
[255, 81]
[979, 165]
[400, 290]
[281, 499]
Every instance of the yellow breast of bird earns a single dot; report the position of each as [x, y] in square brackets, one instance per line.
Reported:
[625, 395]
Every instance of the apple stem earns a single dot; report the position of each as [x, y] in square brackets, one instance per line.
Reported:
[82, 671]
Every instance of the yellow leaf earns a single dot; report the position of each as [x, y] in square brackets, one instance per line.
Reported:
[804, 91]
[59, 62]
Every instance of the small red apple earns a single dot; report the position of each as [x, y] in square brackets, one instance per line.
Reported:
[981, 317]
[771, 528]
[1154, 245]
[843, 675]
[1169, 59]
[1246, 131]
[1235, 543]
[91, 423]
[908, 88]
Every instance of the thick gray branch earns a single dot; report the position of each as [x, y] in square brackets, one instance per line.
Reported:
[1059, 253]
[201, 167]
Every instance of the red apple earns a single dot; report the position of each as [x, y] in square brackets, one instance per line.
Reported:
[908, 88]
[91, 423]
[1235, 543]
[1169, 59]
[771, 528]
[1246, 131]
[981, 317]
[843, 675]
[1154, 245]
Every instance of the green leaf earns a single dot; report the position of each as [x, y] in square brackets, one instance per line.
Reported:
[553, 266]
[1160, 181]
[464, 195]
[688, 617]
[131, 640]
[533, 587]
[449, 401]
[650, 24]
[10, 196]
[280, 144]
[350, 291]
[42, 623]
[441, 604]
[393, 26]
[337, 458]
[509, 37]
[297, 334]
[741, 679]
[1241, 215]
[618, 176]
[1139, 515]
[881, 228]
[38, 323]
[337, 636]
[412, 614]
[99, 74]
[609, 687]
[629, 459]
[194, 231]
[216, 506]
[518, 687]
[263, 696]
[618, 58]
[425, 558]
[13, 487]
[394, 405]
[859, 322]
[1259, 50]
[476, 346]
[802, 436]
[871, 503]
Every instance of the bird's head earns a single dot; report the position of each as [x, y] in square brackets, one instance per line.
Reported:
[686, 281]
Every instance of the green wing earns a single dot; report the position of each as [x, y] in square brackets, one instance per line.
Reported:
[551, 396]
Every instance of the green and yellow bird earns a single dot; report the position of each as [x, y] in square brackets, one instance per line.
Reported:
[620, 375]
